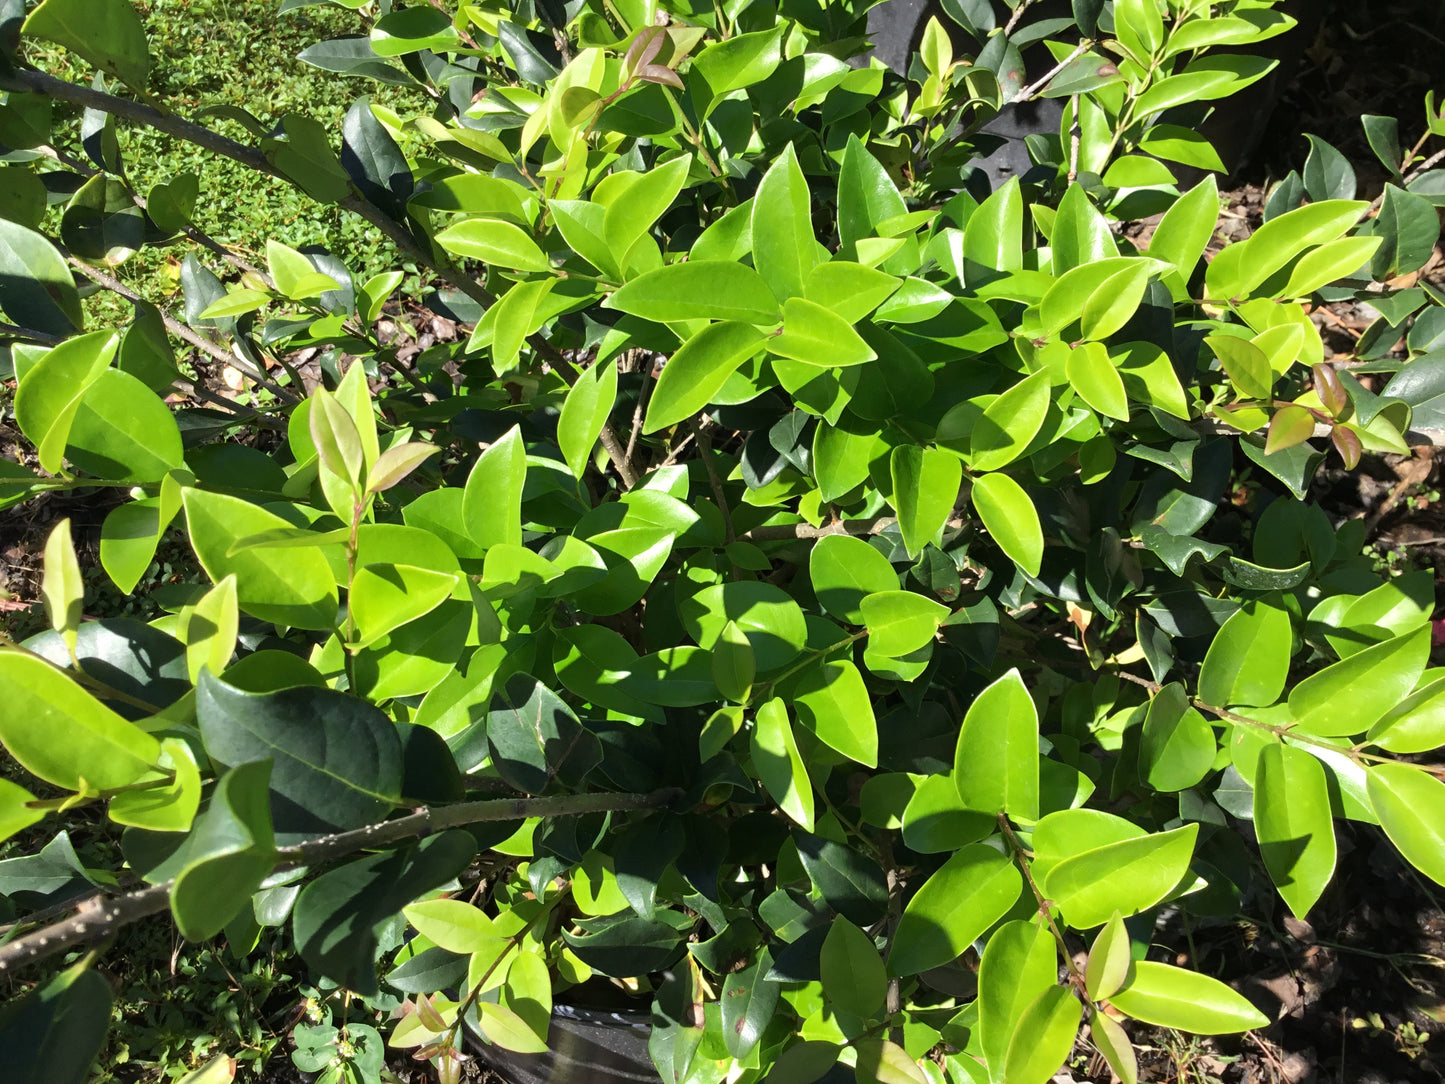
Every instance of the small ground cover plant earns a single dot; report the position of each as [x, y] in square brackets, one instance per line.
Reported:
[806, 600]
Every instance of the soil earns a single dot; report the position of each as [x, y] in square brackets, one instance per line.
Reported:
[1357, 994]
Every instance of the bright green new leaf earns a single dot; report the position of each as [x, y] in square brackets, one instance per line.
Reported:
[993, 237]
[1149, 377]
[508, 1030]
[996, 760]
[1331, 261]
[1294, 824]
[1080, 234]
[1010, 517]
[299, 591]
[1128, 877]
[386, 596]
[1174, 998]
[1109, 960]
[99, 751]
[1349, 696]
[123, 431]
[642, 203]
[209, 628]
[697, 372]
[166, 807]
[16, 813]
[1411, 808]
[1248, 660]
[1009, 423]
[107, 33]
[1045, 1035]
[455, 925]
[1092, 374]
[849, 289]
[1113, 1042]
[61, 587]
[1416, 724]
[925, 491]
[1241, 267]
[1177, 748]
[1184, 231]
[1246, 365]
[733, 664]
[784, 248]
[962, 899]
[832, 701]
[844, 570]
[818, 336]
[492, 501]
[699, 290]
[900, 622]
[36, 287]
[48, 396]
[884, 1062]
[584, 413]
[854, 978]
[1019, 963]
[495, 242]
[779, 765]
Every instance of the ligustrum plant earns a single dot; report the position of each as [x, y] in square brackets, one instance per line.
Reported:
[807, 601]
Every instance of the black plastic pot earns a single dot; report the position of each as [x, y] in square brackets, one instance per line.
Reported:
[586, 1046]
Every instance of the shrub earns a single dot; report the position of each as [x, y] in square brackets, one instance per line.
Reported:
[812, 574]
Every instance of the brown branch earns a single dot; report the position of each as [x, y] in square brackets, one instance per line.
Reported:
[44, 338]
[97, 919]
[1424, 167]
[856, 527]
[704, 448]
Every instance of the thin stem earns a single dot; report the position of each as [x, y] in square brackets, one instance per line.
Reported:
[1429, 163]
[638, 411]
[1046, 912]
[1017, 15]
[108, 692]
[856, 527]
[704, 447]
[1043, 81]
[44, 338]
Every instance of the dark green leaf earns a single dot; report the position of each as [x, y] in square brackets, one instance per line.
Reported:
[53, 1033]
[535, 738]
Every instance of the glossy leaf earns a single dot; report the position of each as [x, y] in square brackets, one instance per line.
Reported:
[107, 33]
[1046, 1030]
[784, 249]
[1248, 660]
[1019, 963]
[779, 764]
[832, 701]
[495, 242]
[853, 975]
[1109, 960]
[1009, 424]
[698, 371]
[925, 490]
[53, 1032]
[1349, 696]
[962, 899]
[1174, 998]
[699, 290]
[900, 622]
[1129, 876]
[1010, 517]
[996, 761]
[1294, 824]
[845, 570]
[492, 501]
[1411, 808]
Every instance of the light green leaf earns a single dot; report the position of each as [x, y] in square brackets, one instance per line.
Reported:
[167, 807]
[124, 432]
[733, 664]
[996, 761]
[698, 290]
[844, 570]
[386, 596]
[1080, 234]
[1010, 517]
[1128, 877]
[495, 242]
[455, 925]
[993, 235]
[1416, 724]
[925, 490]
[772, 621]
[832, 701]
[697, 372]
[900, 622]
[1092, 374]
[962, 899]
[1019, 963]
[1109, 960]
[779, 764]
[784, 248]
[1293, 822]
[584, 413]
[849, 289]
[818, 336]
[1045, 1035]
[209, 628]
[100, 750]
[642, 203]
[492, 501]
[1411, 808]
[48, 396]
[1349, 696]
[1331, 261]
[508, 1030]
[1174, 998]
[61, 586]
[1177, 748]
[1009, 423]
[1248, 660]
[1183, 233]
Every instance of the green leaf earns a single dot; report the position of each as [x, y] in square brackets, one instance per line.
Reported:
[209, 628]
[102, 223]
[1349, 696]
[740, 61]
[61, 587]
[1241, 267]
[1248, 660]
[455, 925]
[1091, 373]
[1009, 424]
[492, 501]
[584, 413]
[698, 371]
[1331, 261]
[123, 432]
[1174, 998]
[849, 289]
[900, 622]
[385, 596]
[1080, 234]
[818, 336]
[1129, 876]
[534, 738]
[48, 396]
[883, 1062]
[996, 761]
[336, 916]
[854, 978]
[698, 290]
[962, 899]
[1184, 231]
[784, 248]
[299, 591]
[52, 1033]
[164, 808]
[841, 455]
[225, 858]
[844, 570]
[1177, 748]
[733, 665]
[1046, 1031]
[341, 771]
[494, 241]
[867, 195]
[993, 235]
[16, 813]
[631, 214]
[1416, 724]
[770, 619]
[1409, 227]
[1010, 517]
[925, 491]
[1294, 824]
[508, 1030]
[779, 765]
[1113, 1042]
[1019, 963]
[1109, 960]
[100, 751]
[1411, 808]
[851, 883]
[107, 33]
[832, 701]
